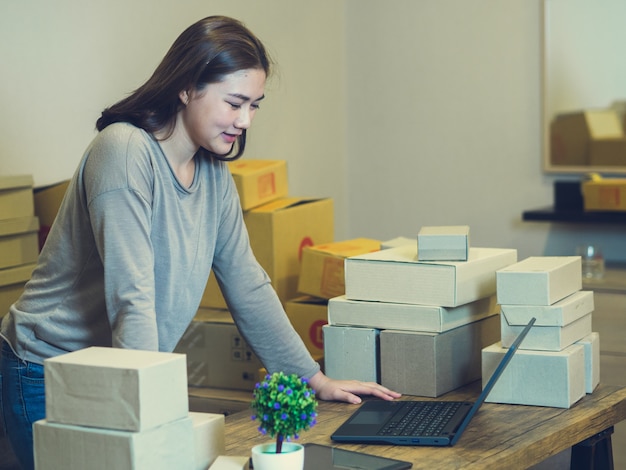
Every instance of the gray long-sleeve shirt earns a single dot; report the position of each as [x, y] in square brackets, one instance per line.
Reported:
[127, 260]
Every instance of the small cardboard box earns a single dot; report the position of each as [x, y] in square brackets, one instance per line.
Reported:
[217, 354]
[167, 446]
[431, 364]
[322, 267]
[18, 241]
[279, 231]
[407, 317]
[539, 280]
[560, 313]
[209, 438]
[445, 243]
[537, 378]
[351, 353]
[230, 462]
[608, 152]
[604, 194]
[571, 134]
[546, 338]
[12, 282]
[47, 202]
[308, 315]
[591, 343]
[259, 181]
[122, 389]
[16, 197]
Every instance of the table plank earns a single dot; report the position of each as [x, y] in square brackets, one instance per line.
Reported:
[499, 436]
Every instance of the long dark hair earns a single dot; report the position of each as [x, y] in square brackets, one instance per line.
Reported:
[204, 53]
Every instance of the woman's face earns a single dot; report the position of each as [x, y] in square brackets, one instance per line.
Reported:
[214, 117]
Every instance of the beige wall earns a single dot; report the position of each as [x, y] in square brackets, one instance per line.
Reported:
[405, 112]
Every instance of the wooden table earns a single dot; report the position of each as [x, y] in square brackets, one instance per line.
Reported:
[499, 436]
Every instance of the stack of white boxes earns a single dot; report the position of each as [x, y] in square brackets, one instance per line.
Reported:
[120, 409]
[559, 360]
[416, 324]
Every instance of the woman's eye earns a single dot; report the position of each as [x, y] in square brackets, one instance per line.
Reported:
[255, 106]
[234, 105]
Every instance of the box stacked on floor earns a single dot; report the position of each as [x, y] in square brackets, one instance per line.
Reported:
[558, 362]
[124, 409]
[19, 245]
[425, 321]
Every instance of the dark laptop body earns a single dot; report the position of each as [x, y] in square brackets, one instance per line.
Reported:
[367, 423]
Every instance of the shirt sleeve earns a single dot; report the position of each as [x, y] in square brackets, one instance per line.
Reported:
[252, 300]
[118, 190]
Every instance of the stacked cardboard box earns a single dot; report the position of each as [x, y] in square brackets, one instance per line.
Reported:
[124, 409]
[19, 245]
[559, 360]
[416, 326]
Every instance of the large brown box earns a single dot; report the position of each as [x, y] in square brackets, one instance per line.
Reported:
[47, 202]
[259, 181]
[217, 354]
[18, 241]
[431, 364]
[308, 315]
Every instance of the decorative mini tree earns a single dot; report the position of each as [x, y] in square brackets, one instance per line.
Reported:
[284, 406]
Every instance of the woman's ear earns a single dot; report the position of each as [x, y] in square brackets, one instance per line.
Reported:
[184, 97]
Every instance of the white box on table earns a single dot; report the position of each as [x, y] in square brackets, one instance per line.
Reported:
[351, 353]
[209, 437]
[431, 364]
[124, 389]
[230, 462]
[539, 280]
[560, 313]
[546, 338]
[443, 243]
[591, 343]
[408, 317]
[537, 378]
[69, 447]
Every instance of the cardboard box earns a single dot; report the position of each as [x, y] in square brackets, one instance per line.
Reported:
[407, 317]
[217, 354]
[572, 133]
[12, 282]
[444, 243]
[546, 338]
[230, 462]
[68, 447]
[308, 315]
[604, 194]
[18, 241]
[209, 438]
[431, 364]
[279, 231]
[608, 152]
[259, 181]
[122, 389]
[560, 313]
[322, 267]
[539, 280]
[591, 344]
[16, 197]
[47, 202]
[537, 378]
[351, 353]
[396, 275]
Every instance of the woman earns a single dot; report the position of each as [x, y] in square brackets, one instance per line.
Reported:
[150, 210]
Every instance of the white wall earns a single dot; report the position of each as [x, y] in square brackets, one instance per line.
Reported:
[405, 112]
[444, 124]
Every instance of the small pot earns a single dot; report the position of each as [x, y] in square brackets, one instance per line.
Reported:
[264, 457]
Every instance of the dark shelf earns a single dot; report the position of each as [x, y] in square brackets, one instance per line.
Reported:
[549, 214]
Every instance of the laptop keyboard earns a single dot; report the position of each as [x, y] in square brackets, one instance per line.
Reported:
[421, 419]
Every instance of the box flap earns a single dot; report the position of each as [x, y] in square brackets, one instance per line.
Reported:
[16, 181]
[19, 225]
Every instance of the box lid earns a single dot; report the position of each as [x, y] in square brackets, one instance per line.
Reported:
[13, 275]
[19, 225]
[16, 181]
[355, 246]
[284, 203]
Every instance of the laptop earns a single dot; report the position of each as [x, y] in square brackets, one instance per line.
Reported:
[415, 422]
